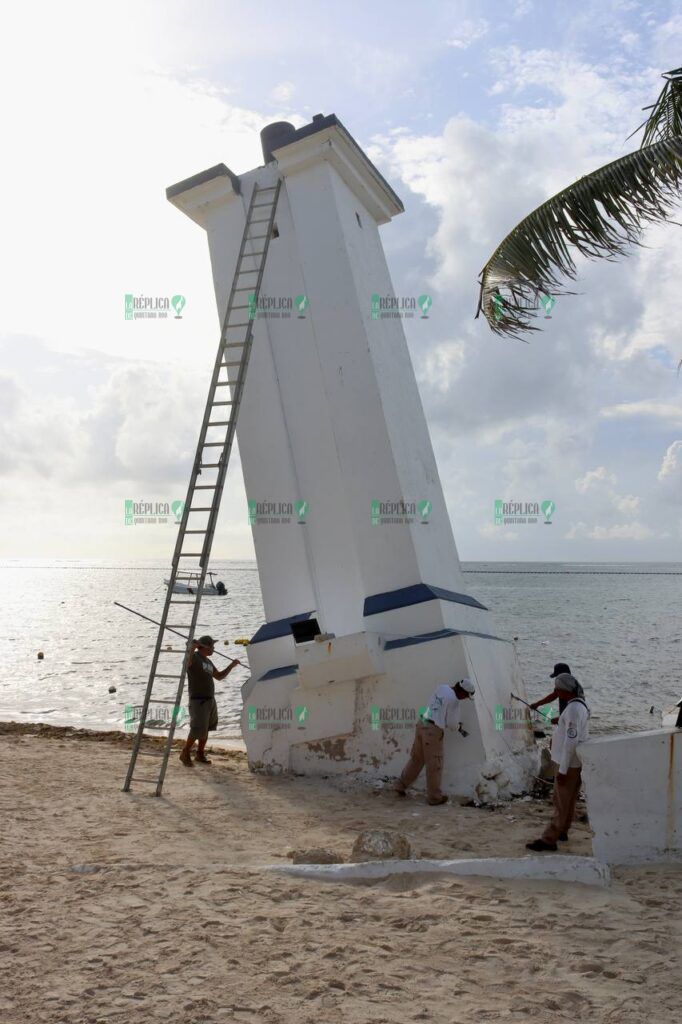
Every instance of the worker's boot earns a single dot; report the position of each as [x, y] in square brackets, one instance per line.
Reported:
[186, 759]
[436, 801]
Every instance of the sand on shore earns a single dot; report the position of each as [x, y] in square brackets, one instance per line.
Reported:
[123, 907]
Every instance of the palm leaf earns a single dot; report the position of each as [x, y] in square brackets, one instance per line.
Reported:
[599, 216]
[665, 119]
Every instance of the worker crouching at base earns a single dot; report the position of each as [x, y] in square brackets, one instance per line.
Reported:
[443, 712]
[571, 730]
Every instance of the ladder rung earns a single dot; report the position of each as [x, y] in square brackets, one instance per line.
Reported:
[223, 403]
[191, 554]
[160, 675]
[136, 778]
[232, 362]
[210, 444]
[203, 464]
[254, 238]
[269, 188]
[219, 423]
[246, 288]
[247, 306]
[155, 701]
[181, 602]
[259, 220]
[248, 255]
[234, 344]
[205, 487]
[261, 204]
[151, 753]
[203, 508]
[246, 324]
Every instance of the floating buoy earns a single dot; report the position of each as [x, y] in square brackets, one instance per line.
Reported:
[40, 655]
[112, 689]
[242, 642]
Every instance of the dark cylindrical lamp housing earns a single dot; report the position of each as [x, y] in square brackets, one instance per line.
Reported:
[275, 135]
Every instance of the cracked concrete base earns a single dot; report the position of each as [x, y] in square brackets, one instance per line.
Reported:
[549, 867]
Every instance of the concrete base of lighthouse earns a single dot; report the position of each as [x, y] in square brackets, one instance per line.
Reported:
[348, 705]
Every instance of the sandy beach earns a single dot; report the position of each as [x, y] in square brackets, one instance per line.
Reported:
[122, 907]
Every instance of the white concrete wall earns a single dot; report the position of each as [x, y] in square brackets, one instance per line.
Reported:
[633, 785]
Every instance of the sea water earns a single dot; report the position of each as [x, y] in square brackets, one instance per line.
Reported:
[618, 626]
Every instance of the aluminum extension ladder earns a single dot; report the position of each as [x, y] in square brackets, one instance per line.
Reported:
[217, 434]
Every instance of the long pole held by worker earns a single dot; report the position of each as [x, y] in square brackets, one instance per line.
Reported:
[171, 630]
[537, 712]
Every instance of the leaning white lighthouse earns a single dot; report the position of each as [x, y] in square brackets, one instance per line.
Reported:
[351, 530]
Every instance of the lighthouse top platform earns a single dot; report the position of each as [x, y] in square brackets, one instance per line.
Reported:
[293, 148]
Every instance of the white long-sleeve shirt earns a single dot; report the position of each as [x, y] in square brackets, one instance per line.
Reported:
[571, 730]
[444, 709]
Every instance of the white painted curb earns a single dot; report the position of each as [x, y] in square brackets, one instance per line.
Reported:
[555, 868]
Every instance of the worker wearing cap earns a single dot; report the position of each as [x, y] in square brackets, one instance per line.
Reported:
[559, 668]
[203, 710]
[443, 712]
[572, 729]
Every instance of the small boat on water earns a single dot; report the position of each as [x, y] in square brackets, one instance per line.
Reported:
[190, 584]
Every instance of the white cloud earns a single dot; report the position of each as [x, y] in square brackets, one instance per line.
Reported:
[468, 32]
[594, 477]
[283, 92]
[617, 531]
[646, 407]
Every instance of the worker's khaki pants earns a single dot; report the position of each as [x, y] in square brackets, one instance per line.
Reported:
[427, 749]
[565, 796]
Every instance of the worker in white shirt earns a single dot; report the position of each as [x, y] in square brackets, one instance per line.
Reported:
[572, 729]
[443, 712]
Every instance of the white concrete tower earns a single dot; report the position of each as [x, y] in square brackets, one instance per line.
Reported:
[331, 416]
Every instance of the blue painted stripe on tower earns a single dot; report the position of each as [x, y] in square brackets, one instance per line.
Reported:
[277, 673]
[426, 638]
[279, 627]
[416, 594]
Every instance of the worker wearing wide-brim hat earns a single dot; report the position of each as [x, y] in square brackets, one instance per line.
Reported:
[443, 712]
[571, 730]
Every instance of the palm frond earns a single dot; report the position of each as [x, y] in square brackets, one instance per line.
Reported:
[665, 119]
[600, 216]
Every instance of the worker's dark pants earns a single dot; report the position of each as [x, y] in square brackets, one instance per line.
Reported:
[565, 797]
[427, 749]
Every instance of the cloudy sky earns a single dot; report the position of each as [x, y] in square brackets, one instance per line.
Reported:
[475, 112]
